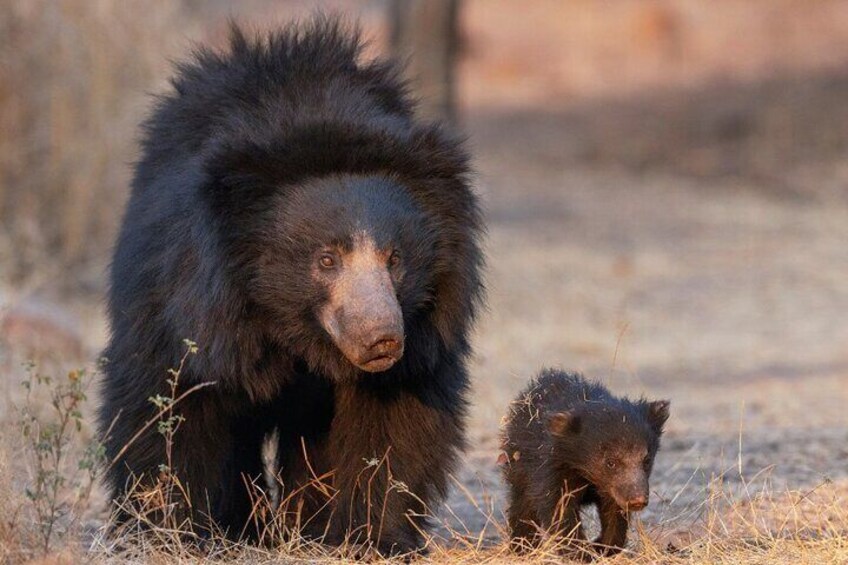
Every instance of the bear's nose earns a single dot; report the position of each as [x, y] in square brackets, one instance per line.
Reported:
[637, 502]
[381, 352]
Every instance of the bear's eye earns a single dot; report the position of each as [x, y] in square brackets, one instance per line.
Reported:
[646, 462]
[394, 259]
[327, 261]
[610, 463]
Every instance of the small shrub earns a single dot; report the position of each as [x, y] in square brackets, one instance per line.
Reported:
[62, 466]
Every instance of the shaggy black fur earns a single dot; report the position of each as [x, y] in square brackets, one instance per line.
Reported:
[567, 443]
[258, 157]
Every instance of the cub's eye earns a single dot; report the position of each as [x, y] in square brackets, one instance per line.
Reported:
[646, 462]
[610, 464]
[394, 259]
[327, 261]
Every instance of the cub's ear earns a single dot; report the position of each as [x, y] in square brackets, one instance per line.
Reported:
[657, 413]
[562, 423]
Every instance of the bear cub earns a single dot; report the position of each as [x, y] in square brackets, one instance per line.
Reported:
[567, 443]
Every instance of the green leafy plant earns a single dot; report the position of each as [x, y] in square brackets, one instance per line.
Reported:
[169, 422]
[167, 425]
[61, 474]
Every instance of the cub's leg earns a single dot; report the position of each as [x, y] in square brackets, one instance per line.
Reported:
[614, 522]
[522, 518]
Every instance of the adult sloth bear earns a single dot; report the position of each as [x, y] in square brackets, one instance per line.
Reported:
[290, 216]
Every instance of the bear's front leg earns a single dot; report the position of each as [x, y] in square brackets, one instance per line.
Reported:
[393, 449]
[559, 511]
[523, 520]
[562, 518]
[614, 522]
[236, 511]
[180, 480]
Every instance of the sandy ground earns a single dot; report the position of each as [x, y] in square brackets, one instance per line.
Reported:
[718, 291]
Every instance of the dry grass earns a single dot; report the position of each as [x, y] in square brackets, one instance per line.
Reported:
[734, 518]
[72, 89]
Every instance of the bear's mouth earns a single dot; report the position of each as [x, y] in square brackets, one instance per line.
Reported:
[378, 364]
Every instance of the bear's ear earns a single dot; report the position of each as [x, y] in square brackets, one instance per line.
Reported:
[562, 423]
[657, 413]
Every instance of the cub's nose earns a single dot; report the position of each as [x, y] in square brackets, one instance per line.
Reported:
[637, 502]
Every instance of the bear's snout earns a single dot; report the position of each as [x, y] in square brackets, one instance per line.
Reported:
[363, 315]
[632, 497]
[637, 502]
[384, 349]
[373, 340]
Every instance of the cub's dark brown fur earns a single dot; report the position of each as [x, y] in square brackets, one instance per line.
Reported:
[569, 442]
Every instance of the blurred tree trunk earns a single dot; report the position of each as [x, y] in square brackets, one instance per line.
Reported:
[424, 33]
